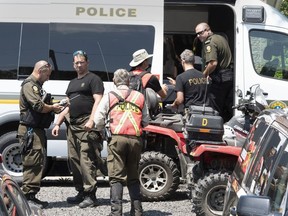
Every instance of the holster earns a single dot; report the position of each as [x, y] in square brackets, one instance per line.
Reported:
[27, 141]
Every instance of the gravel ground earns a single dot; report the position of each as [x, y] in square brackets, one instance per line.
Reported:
[56, 195]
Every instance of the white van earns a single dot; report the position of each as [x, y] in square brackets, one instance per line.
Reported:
[110, 31]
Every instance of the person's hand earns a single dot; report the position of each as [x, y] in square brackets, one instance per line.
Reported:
[165, 87]
[57, 107]
[89, 125]
[55, 130]
[171, 81]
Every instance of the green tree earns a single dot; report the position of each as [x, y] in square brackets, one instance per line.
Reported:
[284, 7]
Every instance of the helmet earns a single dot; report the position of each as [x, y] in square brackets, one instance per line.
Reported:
[152, 100]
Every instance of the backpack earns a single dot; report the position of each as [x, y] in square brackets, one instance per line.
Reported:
[135, 81]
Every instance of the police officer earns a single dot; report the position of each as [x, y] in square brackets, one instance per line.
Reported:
[127, 113]
[83, 94]
[36, 113]
[218, 66]
[191, 84]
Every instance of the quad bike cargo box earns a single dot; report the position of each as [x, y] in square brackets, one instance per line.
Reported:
[204, 123]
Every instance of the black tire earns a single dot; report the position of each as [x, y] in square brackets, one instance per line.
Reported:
[11, 156]
[159, 176]
[208, 194]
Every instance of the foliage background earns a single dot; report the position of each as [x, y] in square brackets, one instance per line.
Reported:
[284, 7]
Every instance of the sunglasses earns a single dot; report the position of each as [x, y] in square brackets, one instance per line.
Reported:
[80, 52]
[201, 32]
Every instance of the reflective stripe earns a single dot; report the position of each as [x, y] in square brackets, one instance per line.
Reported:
[126, 117]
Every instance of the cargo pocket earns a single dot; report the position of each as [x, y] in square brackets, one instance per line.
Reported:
[110, 165]
[33, 157]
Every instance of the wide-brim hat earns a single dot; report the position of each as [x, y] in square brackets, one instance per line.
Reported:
[139, 56]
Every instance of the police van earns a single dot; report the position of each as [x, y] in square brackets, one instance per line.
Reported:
[111, 30]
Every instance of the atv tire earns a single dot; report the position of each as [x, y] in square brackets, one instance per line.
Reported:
[159, 176]
[208, 194]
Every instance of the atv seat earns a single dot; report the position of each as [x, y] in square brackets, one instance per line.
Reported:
[171, 121]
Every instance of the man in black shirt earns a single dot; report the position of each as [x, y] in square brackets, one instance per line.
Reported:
[191, 84]
[84, 94]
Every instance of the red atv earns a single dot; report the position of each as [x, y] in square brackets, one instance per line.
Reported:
[190, 149]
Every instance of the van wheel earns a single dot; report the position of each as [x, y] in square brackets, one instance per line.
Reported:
[208, 194]
[159, 176]
[11, 156]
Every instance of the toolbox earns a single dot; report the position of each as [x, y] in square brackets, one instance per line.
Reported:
[203, 124]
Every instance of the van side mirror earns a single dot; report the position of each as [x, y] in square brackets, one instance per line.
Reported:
[252, 205]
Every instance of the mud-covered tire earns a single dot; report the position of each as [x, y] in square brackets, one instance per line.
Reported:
[159, 176]
[11, 156]
[208, 194]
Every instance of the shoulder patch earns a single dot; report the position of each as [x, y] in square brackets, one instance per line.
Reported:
[35, 89]
[207, 41]
[208, 49]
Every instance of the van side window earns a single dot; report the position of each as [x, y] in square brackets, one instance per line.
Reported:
[269, 53]
[109, 47]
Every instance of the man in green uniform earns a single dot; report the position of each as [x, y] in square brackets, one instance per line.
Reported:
[36, 113]
[84, 94]
[218, 62]
[127, 114]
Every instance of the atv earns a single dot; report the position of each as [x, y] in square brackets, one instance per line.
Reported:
[191, 148]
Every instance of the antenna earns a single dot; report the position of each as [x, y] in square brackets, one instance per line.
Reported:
[104, 62]
[205, 96]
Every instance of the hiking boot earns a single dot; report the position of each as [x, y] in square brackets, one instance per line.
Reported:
[89, 201]
[34, 201]
[76, 199]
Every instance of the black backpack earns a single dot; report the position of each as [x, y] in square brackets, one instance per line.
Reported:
[135, 81]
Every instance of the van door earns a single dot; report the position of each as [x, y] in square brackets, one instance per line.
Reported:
[261, 48]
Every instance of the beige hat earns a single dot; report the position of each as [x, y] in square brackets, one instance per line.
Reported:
[139, 56]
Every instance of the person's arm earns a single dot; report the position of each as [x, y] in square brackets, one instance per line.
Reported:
[179, 99]
[101, 112]
[59, 121]
[210, 67]
[163, 92]
[90, 123]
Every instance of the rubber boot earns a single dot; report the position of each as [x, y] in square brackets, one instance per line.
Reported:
[135, 196]
[116, 194]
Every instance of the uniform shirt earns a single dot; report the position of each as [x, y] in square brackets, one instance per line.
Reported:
[193, 85]
[33, 92]
[85, 87]
[217, 48]
[103, 108]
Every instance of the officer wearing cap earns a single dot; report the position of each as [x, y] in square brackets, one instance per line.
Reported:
[140, 63]
[127, 114]
[218, 62]
[36, 113]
